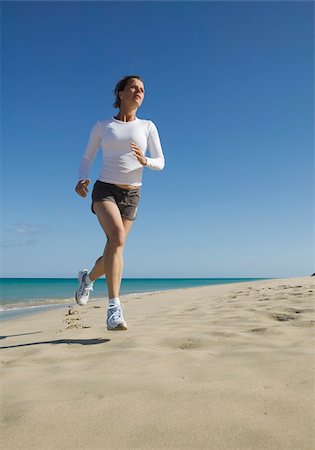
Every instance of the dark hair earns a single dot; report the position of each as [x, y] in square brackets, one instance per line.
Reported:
[120, 86]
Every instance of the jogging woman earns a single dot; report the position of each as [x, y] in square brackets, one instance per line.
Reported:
[124, 140]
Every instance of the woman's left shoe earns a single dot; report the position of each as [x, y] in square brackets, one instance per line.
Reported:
[115, 318]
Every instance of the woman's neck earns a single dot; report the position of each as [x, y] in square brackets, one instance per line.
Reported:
[126, 115]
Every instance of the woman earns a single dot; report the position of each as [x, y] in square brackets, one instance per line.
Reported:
[124, 140]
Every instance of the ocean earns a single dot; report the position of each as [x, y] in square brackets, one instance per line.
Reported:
[20, 296]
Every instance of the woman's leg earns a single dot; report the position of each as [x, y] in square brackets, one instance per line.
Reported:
[111, 221]
[99, 267]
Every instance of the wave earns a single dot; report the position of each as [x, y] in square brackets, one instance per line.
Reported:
[35, 304]
[44, 302]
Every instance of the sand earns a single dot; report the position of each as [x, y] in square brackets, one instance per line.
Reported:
[223, 367]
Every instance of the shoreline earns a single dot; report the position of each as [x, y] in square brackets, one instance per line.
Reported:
[13, 310]
[222, 366]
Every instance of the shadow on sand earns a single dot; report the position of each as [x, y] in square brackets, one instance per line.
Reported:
[61, 341]
[22, 334]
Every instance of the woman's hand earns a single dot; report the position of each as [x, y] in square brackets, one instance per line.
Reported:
[138, 154]
[81, 187]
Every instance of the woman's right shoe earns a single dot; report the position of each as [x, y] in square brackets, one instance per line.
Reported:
[115, 318]
[84, 289]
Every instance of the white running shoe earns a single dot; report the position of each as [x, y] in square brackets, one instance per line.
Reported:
[115, 318]
[83, 291]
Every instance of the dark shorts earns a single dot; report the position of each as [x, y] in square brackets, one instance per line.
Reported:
[127, 200]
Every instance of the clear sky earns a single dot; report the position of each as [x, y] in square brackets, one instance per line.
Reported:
[229, 86]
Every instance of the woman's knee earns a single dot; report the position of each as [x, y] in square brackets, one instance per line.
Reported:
[117, 238]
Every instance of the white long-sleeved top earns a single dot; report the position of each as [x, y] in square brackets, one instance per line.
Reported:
[120, 165]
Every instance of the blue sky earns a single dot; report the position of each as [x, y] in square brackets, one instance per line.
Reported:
[229, 86]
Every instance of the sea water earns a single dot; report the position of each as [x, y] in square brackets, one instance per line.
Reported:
[24, 295]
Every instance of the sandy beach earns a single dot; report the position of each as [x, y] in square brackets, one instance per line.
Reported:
[227, 367]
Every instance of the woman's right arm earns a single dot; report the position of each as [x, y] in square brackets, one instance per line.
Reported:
[88, 157]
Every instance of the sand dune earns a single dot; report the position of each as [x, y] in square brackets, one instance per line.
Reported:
[223, 367]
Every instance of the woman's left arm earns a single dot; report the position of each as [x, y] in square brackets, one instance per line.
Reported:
[157, 160]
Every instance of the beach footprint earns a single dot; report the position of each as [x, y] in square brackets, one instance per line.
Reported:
[185, 343]
[73, 318]
[258, 330]
[281, 317]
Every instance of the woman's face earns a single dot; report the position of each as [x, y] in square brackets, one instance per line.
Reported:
[133, 94]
